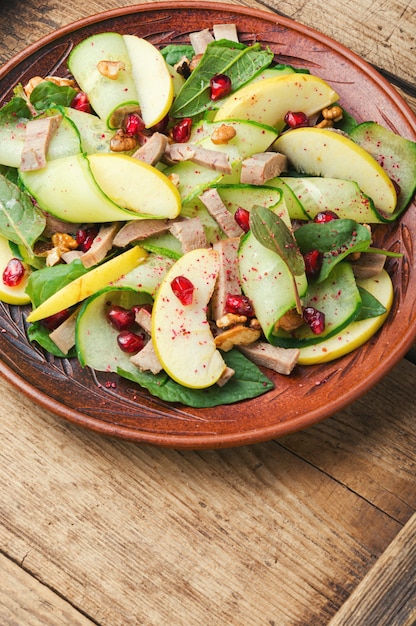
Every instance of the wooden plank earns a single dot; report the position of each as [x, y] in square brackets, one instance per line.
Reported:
[387, 595]
[247, 535]
[25, 600]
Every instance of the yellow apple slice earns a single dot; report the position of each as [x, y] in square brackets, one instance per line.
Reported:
[267, 101]
[181, 333]
[135, 185]
[323, 152]
[357, 333]
[152, 79]
[91, 282]
[12, 295]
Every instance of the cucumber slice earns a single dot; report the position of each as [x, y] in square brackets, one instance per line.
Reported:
[110, 98]
[165, 244]
[147, 276]
[343, 197]
[357, 333]
[249, 196]
[93, 132]
[251, 137]
[337, 297]
[96, 338]
[395, 154]
[267, 281]
[293, 204]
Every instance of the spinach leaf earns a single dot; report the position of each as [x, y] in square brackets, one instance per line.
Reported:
[173, 53]
[336, 240]
[370, 306]
[239, 62]
[37, 332]
[46, 94]
[20, 221]
[45, 282]
[247, 382]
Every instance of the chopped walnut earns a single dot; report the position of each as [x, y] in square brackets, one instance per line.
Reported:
[194, 61]
[121, 142]
[236, 336]
[223, 134]
[254, 323]
[110, 69]
[289, 321]
[64, 242]
[332, 113]
[57, 80]
[230, 319]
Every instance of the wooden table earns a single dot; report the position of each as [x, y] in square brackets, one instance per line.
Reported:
[318, 527]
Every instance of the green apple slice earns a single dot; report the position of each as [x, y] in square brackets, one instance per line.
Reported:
[267, 101]
[152, 79]
[12, 295]
[89, 283]
[181, 333]
[323, 152]
[357, 333]
[135, 185]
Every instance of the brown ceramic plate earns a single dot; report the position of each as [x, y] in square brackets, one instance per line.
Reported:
[310, 394]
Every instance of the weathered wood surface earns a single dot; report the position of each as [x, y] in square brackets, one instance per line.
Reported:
[99, 531]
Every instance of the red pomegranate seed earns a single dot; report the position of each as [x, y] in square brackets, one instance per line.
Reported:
[315, 319]
[313, 263]
[325, 216]
[85, 237]
[182, 130]
[13, 273]
[130, 342]
[296, 119]
[119, 317]
[220, 86]
[133, 124]
[80, 102]
[55, 320]
[183, 289]
[242, 217]
[239, 305]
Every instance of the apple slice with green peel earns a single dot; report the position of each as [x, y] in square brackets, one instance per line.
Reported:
[181, 333]
[89, 283]
[267, 101]
[152, 79]
[357, 333]
[323, 152]
[12, 295]
[135, 185]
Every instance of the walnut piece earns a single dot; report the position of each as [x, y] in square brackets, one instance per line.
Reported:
[110, 69]
[121, 142]
[236, 336]
[223, 134]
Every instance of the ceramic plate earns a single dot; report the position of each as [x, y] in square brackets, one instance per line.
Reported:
[116, 407]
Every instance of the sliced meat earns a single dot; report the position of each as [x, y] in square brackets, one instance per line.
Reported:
[64, 335]
[200, 40]
[213, 159]
[39, 133]
[54, 225]
[190, 233]
[152, 151]
[211, 199]
[144, 319]
[102, 243]
[368, 264]
[225, 31]
[228, 281]
[137, 230]
[281, 360]
[225, 376]
[263, 166]
[147, 360]
[71, 255]
[176, 152]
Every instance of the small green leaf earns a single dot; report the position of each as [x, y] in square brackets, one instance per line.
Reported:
[47, 94]
[370, 306]
[45, 282]
[175, 53]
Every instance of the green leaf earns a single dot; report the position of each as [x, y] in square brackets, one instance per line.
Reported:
[20, 221]
[46, 94]
[247, 382]
[239, 62]
[175, 53]
[336, 240]
[39, 333]
[370, 306]
[45, 282]
[271, 231]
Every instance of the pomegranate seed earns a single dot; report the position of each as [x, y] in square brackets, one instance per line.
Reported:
[296, 119]
[130, 342]
[315, 319]
[80, 102]
[55, 320]
[13, 273]
[313, 263]
[220, 86]
[161, 126]
[242, 217]
[133, 124]
[182, 130]
[85, 237]
[183, 289]
[239, 305]
[120, 318]
[325, 216]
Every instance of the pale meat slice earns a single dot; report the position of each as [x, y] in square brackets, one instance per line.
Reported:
[64, 335]
[137, 230]
[211, 199]
[212, 159]
[190, 233]
[261, 167]
[200, 40]
[147, 359]
[225, 31]
[152, 151]
[39, 133]
[281, 360]
[102, 243]
[228, 281]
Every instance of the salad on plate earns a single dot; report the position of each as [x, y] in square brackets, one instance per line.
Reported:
[193, 216]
